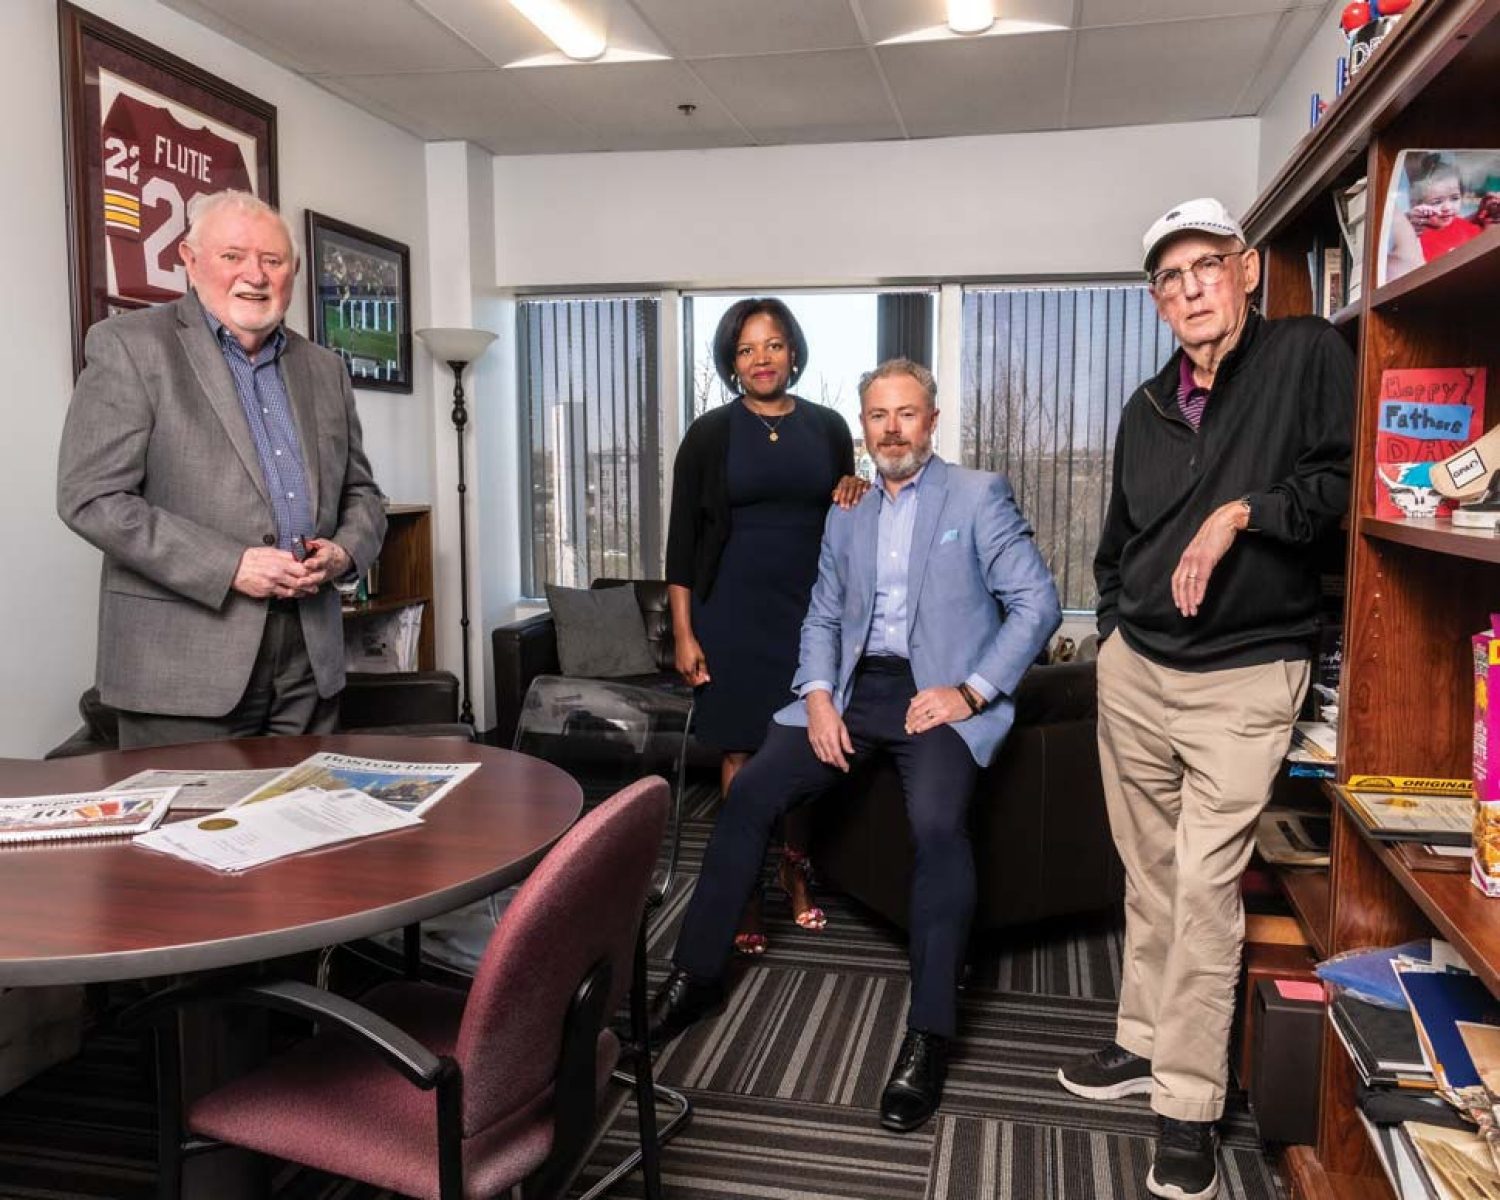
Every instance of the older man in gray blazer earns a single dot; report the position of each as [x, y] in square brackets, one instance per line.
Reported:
[931, 602]
[214, 456]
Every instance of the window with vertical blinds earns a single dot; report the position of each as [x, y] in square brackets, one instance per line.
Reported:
[1045, 374]
[591, 428]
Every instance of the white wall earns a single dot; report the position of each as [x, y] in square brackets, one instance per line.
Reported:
[332, 158]
[1284, 120]
[1020, 204]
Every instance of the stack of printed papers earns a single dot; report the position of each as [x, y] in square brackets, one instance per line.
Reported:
[261, 831]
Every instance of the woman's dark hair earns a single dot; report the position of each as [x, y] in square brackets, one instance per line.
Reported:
[727, 336]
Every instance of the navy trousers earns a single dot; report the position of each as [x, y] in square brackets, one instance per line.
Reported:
[937, 774]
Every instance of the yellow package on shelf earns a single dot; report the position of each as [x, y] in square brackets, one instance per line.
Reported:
[1403, 785]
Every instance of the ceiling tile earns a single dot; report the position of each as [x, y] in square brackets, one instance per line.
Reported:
[1298, 29]
[345, 37]
[1134, 12]
[831, 96]
[1179, 71]
[634, 106]
[979, 85]
[892, 18]
[487, 107]
[704, 28]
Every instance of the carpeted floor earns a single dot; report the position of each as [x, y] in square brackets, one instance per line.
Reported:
[785, 1083]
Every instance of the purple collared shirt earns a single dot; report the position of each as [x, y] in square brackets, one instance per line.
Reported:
[1191, 399]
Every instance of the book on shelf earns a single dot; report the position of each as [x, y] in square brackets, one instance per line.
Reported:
[1426, 414]
[1370, 974]
[1459, 1161]
[384, 642]
[1331, 293]
[1443, 818]
[1288, 838]
[1423, 856]
[1349, 204]
[1315, 741]
[1399, 1160]
[1439, 1001]
[1436, 201]
[1383, 1041]
[81, 815]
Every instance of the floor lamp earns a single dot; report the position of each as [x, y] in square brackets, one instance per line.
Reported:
[458, 348]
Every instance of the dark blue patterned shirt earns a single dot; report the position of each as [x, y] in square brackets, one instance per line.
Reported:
[268, 410]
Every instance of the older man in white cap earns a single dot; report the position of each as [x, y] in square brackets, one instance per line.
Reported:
[1228, 466]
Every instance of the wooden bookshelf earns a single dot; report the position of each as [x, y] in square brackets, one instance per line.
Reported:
[1414, 590]
[405, 575]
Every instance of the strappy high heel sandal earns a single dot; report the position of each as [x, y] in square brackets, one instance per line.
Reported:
[795, 877]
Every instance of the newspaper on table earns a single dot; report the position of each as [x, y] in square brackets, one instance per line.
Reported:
[304, 819]
[412, 787]
[200, 791]
[81, 815]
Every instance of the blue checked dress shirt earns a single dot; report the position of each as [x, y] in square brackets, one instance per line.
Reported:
[268, 409]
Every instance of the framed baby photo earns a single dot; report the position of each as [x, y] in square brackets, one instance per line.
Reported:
[359, 297]
[144, 133]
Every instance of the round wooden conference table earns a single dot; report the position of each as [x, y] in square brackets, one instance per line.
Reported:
[86, 911]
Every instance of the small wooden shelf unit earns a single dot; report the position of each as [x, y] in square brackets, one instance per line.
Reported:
[405, 574]
[1414, 590]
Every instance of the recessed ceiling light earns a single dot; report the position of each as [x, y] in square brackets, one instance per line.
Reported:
[579, 38]
[970, 16]
[615, 54]
[1002, 27]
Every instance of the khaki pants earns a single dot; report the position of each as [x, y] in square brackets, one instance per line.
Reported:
[1188, 760]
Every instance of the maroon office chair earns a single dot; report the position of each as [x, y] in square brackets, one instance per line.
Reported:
[426, 1091]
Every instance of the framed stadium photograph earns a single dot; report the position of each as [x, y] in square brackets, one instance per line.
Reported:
[144, 132]
[359, 296]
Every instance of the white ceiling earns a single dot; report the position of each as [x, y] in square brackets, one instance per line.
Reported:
[767, 72]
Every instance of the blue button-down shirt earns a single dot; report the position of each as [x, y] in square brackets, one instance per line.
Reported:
[268, 409]
[890, 623]
[898, 517]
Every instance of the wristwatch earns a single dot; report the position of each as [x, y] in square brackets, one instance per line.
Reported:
[972, 698]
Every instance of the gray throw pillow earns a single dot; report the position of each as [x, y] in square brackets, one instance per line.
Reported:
[600, 633]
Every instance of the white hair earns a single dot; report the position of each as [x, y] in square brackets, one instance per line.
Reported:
[205, 205]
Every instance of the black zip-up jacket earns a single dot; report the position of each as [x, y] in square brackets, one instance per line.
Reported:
[1276, 432]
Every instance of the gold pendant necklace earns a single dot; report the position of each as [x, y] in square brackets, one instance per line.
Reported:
[771, 433]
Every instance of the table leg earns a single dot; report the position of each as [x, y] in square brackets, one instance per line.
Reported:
[216, 1045]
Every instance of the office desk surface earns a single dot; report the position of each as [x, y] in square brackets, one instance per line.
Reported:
[79, 912]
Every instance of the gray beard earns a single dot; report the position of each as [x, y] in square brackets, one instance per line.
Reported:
[901, 468]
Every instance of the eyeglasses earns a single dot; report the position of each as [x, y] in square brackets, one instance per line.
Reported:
[1207, 270]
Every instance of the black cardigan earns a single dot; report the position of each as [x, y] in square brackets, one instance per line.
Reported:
[699, 525]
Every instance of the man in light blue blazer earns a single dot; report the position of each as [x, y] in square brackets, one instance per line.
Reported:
[930, 604]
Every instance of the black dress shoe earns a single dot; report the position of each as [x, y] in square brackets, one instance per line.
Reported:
[915, 1087]
[682, 1001]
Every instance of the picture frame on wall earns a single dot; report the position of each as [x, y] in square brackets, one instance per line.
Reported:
[359, 301]
[144, 132]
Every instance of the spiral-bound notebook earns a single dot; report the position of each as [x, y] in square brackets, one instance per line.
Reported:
[81, 815]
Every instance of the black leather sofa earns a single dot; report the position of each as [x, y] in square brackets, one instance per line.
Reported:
[417, 703]
[1042, 845]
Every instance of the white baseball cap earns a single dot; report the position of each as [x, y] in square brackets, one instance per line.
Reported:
[1204, 215]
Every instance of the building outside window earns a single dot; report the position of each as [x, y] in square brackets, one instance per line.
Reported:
[592, 461]
[1046, 371]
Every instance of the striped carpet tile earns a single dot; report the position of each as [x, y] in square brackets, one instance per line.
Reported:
[747, 1148]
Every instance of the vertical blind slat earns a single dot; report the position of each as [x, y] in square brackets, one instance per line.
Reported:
[1046, 373]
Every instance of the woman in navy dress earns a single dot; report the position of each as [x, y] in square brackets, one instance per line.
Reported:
[750, 493]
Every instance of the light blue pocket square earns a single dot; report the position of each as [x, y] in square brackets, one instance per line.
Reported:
[949, 535]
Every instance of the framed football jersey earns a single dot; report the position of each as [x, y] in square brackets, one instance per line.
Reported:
[144, 133]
